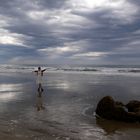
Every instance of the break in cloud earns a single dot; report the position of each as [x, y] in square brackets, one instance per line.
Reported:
[70, 31]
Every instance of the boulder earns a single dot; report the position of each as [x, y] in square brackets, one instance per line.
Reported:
[105, 107]
[133, 106]
[110, 109]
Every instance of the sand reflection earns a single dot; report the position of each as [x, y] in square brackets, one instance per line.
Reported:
[112, 127]
[39, 102]
[9, 91]
[10, 87]
[58, 84]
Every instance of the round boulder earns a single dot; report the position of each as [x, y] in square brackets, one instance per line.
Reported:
[110, 109]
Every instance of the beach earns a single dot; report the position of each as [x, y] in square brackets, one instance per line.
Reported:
[68, 100]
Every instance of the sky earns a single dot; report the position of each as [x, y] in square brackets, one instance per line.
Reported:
[70, 32]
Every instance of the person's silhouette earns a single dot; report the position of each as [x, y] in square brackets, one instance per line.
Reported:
[39, 73]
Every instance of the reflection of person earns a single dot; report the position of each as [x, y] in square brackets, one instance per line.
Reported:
[39, 103]
[39, 73]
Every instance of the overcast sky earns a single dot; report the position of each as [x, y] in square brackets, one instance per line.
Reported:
[70, 31]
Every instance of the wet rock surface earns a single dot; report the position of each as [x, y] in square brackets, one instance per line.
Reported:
[110, 109]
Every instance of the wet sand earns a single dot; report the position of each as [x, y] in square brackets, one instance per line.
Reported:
[65, 108]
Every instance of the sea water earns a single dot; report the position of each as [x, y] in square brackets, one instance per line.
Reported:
[69, 99]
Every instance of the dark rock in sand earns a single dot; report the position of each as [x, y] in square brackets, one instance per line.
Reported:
[133, 106]
[105, 107]
[109, 109]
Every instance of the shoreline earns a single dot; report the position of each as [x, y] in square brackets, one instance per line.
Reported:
[65, 97]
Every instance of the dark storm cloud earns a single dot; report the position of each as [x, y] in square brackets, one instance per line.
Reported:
[62, 30]
[137, 2]
[51, 4]
[17, 51]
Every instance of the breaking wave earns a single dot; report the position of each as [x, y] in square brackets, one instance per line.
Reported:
[93, 69]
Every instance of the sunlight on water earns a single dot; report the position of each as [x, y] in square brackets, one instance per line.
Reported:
[7, 96]
[59, 84]
[10, 87]
[9, 91]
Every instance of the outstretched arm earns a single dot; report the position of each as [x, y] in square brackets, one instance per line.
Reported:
[43, 70]
[35, 71]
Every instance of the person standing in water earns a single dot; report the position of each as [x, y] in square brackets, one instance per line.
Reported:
[39, 73]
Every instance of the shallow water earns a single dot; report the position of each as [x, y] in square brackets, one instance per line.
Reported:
[65, 109]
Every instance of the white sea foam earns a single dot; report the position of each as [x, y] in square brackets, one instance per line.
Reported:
[83, 69]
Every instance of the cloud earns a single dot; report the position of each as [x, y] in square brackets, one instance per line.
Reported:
[90, 54]
[52, 31]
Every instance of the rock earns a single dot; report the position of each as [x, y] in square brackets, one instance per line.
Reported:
[133, 106]
[105, 107]
[113, 110]
[119, 103]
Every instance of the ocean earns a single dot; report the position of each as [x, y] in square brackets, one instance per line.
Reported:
[105, 69]
[65, 109]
